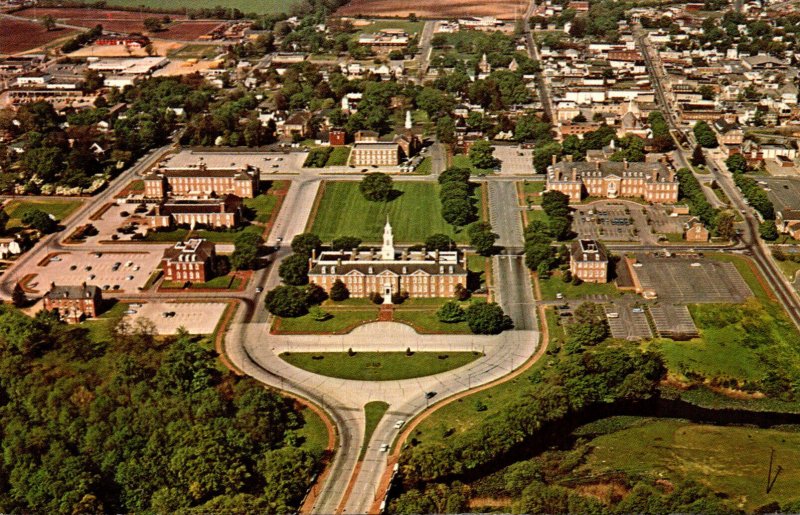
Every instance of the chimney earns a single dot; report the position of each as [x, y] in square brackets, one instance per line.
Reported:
[655, 175]
[574, 174]
[405, 254]
[339, 262]
[671, 175]
[597, 165]
[354, 254]
[625, 163]
[569, 158]
[557, 174]
[554, 159]
[436, 255]
[313, 254]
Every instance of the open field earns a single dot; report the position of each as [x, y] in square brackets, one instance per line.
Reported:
[59, 208]
[504, 9]
[246, 6]
[19, 36]
[672, 450]
[550, 287]
[379, 366]
[415, 214]
[340, 321]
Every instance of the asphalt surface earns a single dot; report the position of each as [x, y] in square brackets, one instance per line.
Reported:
[504, 214]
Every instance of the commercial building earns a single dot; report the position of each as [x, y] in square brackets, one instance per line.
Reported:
[588, 261]
[73, 303]
[192, 260]
[419, 273]
[653, 182]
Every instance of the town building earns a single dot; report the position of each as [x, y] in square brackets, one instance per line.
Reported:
[375, 154]
[419, 273]
[216, 213]
[337, 137]
[588, 261]
[696, 231]
[201, 180]
[192, 260]
[653, 182]
[74, 303]
[131, 40]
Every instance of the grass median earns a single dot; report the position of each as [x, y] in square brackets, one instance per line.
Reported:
[379, 366]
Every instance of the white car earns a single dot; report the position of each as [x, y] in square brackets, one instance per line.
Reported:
[399, 424]
[385, 447]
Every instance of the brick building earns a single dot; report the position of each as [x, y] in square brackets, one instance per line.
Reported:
[588, 261]
[201, 181]
[378, 154]
[419, 273]
[73, 303]
[653, 182]
[192, 260]
[216, 213]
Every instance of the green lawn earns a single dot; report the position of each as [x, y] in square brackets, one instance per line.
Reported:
[411, 27]
[731, 460]
[180, 234]
[262, 206]
[246, 6]
[788, 267]
[379, 366]
[425, 321]
[223, 282]
[424, 167]
[531, 190]
[196, 52]
[341, 320]
[554, 284]
[415, 214]
[314, 433]
[338, 157]
[373, 412]
[59, 208]
[463, 161]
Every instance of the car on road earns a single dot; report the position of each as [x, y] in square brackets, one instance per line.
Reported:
[259, 289]
[399, 424]
[559, 296]
[637, 310]
[429, 395]
[130, 311]
[384, 447]
[88, 268]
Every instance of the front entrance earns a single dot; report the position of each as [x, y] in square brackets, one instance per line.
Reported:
[387, 294]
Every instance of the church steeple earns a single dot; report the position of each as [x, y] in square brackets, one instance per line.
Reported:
[387, 251]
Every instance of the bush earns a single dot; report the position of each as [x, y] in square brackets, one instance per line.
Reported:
[451, 313]
[339, 291]
[376, 298]
[286, 301]
[487, 318]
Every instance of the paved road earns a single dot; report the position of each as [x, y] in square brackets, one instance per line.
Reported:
[504, 213]
[513, 291]
[425, 49]
[533, 52]
[438, 155]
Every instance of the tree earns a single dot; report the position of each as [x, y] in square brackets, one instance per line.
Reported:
[725, 225]
[376, 187]
[768, 230]
[294, 270]
[450, 313]
[538, 253]
[306, 244]
[245, 250]
[18, 298]
[736, 163]
[445, 130]
[543, 156]
[153, 24]
[481, 153]
[345, 243]
[705, 135]
[286, 301]
[455, 174]
[482, 238]
[487, 318]
[458, 211]
[339, 291]
[39, 220]
[698, 157]
[48, 22]
[439, 241]
[555, 203]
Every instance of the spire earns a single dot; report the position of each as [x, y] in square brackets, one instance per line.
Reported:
[409, 125]
[387, 251]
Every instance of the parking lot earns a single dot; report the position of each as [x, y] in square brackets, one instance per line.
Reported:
[610, 221]
[784, 193]
[673, 321]
[514, 160]
[628, 322]
[112, 271]
[682, 280]
[199, 317]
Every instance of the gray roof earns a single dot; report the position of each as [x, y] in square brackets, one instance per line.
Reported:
[82, 291]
